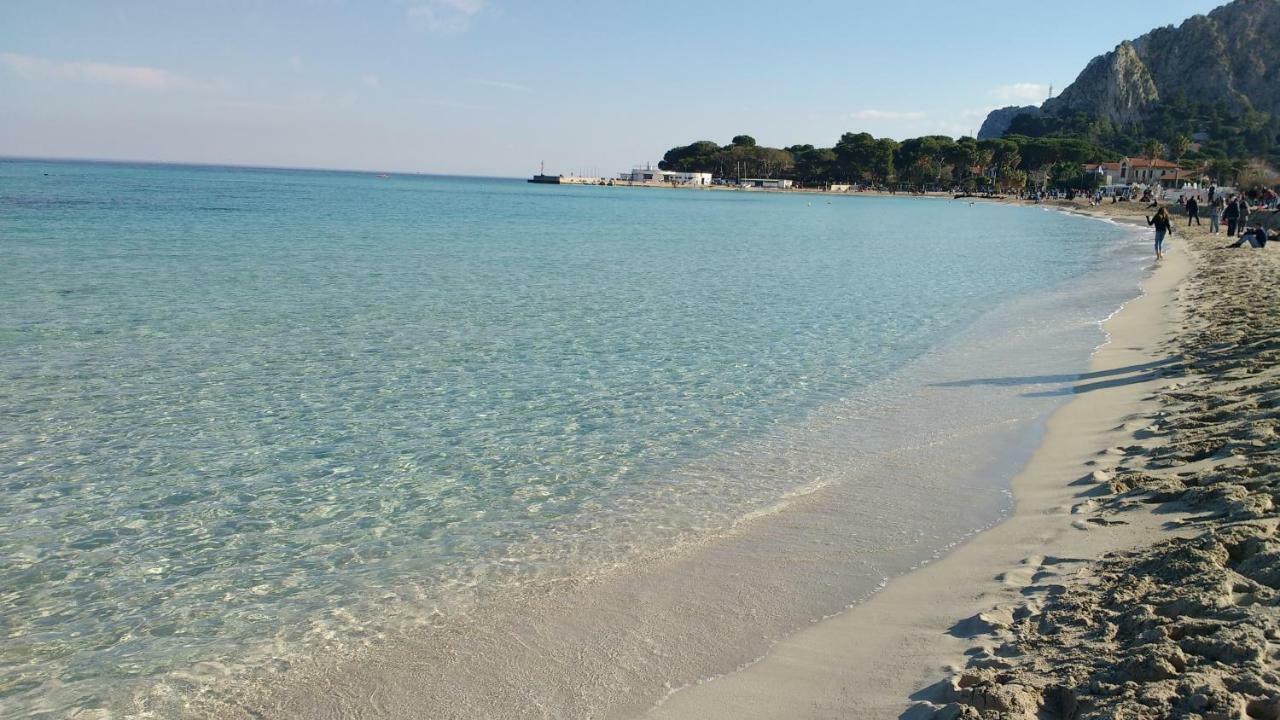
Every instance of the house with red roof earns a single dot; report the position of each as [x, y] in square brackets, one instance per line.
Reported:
[1140, 171]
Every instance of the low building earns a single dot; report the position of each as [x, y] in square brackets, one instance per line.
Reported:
[1108, 173]
[690, 178]
[653, 175]
[542, 179]
[767, 183]
[1140, 171]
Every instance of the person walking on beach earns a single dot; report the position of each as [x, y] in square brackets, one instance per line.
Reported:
[1232, 215]
[1215, 214]
[1193, 210]
[1163, 227]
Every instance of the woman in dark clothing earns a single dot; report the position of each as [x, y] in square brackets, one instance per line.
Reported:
[1193, 211]
[1163, 226]
[1232, 216]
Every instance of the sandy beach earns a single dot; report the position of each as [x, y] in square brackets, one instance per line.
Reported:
[1136, 577]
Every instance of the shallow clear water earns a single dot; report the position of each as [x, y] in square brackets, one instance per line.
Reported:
[238, 406]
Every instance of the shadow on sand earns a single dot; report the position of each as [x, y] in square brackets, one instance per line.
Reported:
[1101, 379]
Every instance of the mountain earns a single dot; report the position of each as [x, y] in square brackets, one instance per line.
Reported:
[998, 121]
[1230, 56]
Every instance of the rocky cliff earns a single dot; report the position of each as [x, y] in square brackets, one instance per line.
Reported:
[1117, 85]
[1231, 55]
[998, 121]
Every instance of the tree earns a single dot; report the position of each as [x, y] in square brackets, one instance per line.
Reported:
[1152, 149]
[1178, 147]
[1219, 170]
[695, 157]
[744, 141]
[855, 154]
[882, 169]
[1005, 159]
[1072, 176]
[772, 161]
[962, 157]
[921, 160]
[816, 165]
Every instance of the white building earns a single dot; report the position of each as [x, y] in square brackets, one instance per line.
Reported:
[683, 178]
[767, 183]
[652, 175]
[1139, 170]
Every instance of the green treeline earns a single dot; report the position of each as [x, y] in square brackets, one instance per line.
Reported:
[1045, 150]
[932, 161]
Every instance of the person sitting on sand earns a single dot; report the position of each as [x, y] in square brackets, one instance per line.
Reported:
[1163, 227]
[1256, 237]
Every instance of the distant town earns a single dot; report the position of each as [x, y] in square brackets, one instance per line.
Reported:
[648, 176]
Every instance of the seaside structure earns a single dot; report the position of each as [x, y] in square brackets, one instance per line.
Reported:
[766, 183]
[566, 180]
[1131, 170]
[653, 175]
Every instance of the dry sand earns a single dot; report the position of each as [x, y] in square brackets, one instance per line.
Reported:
[1138, 576]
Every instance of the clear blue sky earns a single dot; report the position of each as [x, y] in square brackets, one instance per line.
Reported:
[495, 86]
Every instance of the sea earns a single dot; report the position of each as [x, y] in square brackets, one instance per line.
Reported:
[256, 420]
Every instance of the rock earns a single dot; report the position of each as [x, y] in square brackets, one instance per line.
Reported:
[1117, 86]
[1225, 57]
[998, 121]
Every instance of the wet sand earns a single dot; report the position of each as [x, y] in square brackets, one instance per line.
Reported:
[1137, 576]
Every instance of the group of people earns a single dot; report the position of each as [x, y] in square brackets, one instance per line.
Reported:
[1234, 211]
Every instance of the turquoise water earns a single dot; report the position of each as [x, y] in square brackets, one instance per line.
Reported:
[240, 405]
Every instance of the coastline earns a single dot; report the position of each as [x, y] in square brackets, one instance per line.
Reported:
[892, 656]
[605, 647]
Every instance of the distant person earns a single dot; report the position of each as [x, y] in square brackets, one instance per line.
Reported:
[1244, 211]
[1213, 192]
[1163, 227]
[1215, 214]
[1193, 210]
[1232, 215]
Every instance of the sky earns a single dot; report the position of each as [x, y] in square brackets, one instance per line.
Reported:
[495, 87]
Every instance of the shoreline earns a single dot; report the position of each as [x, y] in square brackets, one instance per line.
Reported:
[710, 607]
[892, 655]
